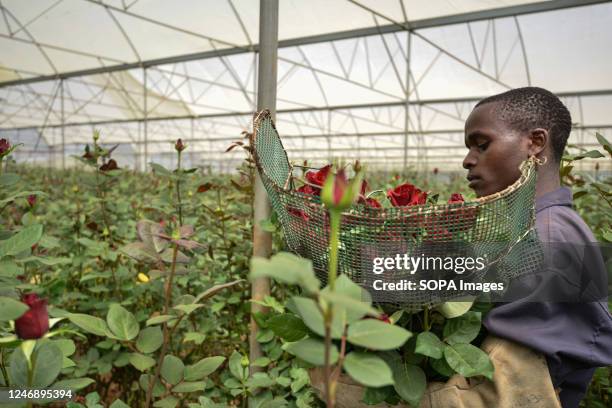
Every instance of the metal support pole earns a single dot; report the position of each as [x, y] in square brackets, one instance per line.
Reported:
[192, 137]
[145, 123]
[266, 99]
[407, 98]
[62, 121]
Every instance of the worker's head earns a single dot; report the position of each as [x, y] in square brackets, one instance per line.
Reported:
[504, 130]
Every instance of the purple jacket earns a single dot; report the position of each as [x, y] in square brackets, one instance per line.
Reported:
[575, 337]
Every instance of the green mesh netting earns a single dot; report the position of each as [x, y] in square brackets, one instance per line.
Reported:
[499, 228]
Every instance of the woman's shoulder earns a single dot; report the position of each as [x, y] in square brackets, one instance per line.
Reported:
[561, 223]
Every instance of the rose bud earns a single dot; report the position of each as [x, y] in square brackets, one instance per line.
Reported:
[435, 170]
[406, 195]
[34, 323]
[32, 200]
[179, 146]
[4, 146]
[338, 193]
[384, 318]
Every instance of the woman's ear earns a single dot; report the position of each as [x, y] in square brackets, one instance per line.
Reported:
[538, 140]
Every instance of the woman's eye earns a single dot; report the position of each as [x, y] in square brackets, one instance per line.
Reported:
[483, 146]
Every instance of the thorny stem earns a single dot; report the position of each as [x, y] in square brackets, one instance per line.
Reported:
[338, 368]
[333, 247]
[166, 333]
[178, 189]
[328, 316]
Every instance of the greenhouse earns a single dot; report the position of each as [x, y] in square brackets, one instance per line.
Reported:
[201, 201]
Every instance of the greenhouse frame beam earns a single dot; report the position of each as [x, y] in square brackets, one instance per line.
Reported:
[509, 11]
[420, 102]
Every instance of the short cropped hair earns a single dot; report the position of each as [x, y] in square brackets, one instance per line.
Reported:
[524, 109]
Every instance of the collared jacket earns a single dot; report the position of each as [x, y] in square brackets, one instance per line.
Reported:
[575, 337]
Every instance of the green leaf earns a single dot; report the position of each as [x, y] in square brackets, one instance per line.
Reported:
[18, 369]
[258, 380]
[288, 327]
[368, 369]
[236, 368]
[139, 251]
[189, 308]
[90, 324]
[604, 142]
[21, 241]
[11, 309]
[202, 368]
[121, 322]
[119, 404]
[141, 362]
[158, 388]
[168, 402]
[172, 369]
[73, 384]
[409, 382]
[454, 309]
[592, 154]
[160, 169]
[428, 344]
[8, 179]
[312, 317]
[374, 396]
[66, 346]
[210, 292]
[287, 268]
[353, 309]
[442, 367]
[149, 339]
[312, 351]
[190, 386]
[159, 319]
[462, 329]
[47, 361]
[377, 335]
[468, 360]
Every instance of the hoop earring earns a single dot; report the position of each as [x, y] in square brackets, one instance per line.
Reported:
[540, 162]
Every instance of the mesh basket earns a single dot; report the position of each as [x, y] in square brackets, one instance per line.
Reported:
[498, 228]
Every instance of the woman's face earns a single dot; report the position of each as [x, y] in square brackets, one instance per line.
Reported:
[495, 151]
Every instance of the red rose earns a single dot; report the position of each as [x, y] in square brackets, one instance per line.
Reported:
[110, 165]
[308, 189]
[456, 198]
[368, 202]
[35, 322]
[301, 214]
[405, 195]
[4, 146]
[318, 177]
[32, 200]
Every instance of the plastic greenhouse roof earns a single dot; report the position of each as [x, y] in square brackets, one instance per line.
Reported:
[146, 72]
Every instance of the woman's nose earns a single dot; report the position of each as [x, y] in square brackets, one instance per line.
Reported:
[469, 160]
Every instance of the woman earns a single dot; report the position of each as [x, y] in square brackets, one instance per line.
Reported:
[537, 334]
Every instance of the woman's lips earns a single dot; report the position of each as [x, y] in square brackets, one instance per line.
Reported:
[473, 180]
